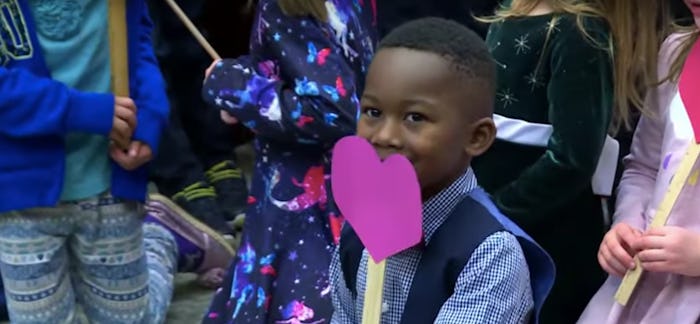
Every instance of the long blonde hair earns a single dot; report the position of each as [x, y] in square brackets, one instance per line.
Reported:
[638, 29]
[520, 8]
[297, 8]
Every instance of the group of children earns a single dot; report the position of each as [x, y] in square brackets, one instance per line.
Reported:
[527, 113]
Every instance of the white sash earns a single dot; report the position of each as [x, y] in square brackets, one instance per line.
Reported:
[535, 134]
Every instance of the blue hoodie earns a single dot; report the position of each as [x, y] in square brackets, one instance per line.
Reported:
[37, 112]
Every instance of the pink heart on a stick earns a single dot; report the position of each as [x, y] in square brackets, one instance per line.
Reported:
[380, 200]
[688, 88]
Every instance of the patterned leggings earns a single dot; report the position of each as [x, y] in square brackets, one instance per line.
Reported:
[92, 261]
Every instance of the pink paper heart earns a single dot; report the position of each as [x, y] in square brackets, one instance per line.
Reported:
[688, 88]
[380, 200]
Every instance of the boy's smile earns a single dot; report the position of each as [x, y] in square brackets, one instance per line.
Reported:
[415, 104]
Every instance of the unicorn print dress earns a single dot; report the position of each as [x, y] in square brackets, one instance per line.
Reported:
[298, 91]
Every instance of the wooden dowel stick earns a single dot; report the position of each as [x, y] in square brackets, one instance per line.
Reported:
[374, 288]
[193, 29]
[118, 48]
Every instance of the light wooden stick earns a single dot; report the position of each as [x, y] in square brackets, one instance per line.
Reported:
[118, 48]
[374, 289]
[193, 29]
[629, 282]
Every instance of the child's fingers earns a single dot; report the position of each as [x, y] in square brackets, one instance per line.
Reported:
[118, 155]
[607, 267]
[649, 242]
[119, 139]
[620, 254]
[227, 118]
[125, 102]
[208, 71]
[126, 115]
[658, 266]
[121, 128]
[134, 149]
[604, 263]
[122, 158]
[628, 235]
[657, 231]
[655, 255]
[610, 264]
[145, 155]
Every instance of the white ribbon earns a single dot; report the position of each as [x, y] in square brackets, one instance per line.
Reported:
[536, 134]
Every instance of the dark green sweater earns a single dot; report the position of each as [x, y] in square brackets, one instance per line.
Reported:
[571, 90]
[566, 83]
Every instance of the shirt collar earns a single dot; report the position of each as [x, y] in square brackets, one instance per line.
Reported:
[438, 207]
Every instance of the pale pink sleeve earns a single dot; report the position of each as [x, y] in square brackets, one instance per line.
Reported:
[642, 164]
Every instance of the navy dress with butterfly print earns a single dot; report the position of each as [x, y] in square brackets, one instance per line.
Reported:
[298, 91]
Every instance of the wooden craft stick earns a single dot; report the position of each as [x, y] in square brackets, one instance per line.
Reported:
[629, 282]
[374, 288]
[193, 29]
[118, 48]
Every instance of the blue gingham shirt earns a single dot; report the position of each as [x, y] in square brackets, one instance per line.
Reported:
[494, 286]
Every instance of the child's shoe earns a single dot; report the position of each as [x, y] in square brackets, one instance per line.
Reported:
[201, 249]
[231, 188]
[200, 200]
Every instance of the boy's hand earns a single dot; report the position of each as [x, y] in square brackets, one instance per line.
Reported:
[670, 249]
[136, 155]
[123, 122]
[616, 251]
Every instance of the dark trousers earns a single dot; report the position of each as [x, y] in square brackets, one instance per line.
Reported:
[196, 138]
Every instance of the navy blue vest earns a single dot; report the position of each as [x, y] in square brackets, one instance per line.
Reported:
[443, 259]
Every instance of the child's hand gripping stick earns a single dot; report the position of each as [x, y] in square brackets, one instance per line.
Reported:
[382, 202]
[689, 80]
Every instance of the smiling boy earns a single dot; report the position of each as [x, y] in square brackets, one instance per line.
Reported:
[429, 96]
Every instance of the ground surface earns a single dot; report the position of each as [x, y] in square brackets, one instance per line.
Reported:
[189, 302]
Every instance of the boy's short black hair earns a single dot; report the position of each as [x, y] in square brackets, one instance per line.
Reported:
[451, 40]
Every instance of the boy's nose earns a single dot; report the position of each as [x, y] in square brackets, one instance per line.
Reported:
[387, 138]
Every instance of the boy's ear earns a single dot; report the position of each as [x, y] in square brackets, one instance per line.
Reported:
[482, 134]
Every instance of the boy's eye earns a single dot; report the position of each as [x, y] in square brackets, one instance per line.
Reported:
[372, 112]
[415, 117]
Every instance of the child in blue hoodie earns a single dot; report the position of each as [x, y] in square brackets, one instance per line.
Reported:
[71, 212]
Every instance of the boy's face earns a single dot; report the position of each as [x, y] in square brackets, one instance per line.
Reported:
[415, 104]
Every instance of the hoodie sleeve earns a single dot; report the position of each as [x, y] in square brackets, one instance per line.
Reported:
[303, 91]
[149, 91]
[32, 106]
